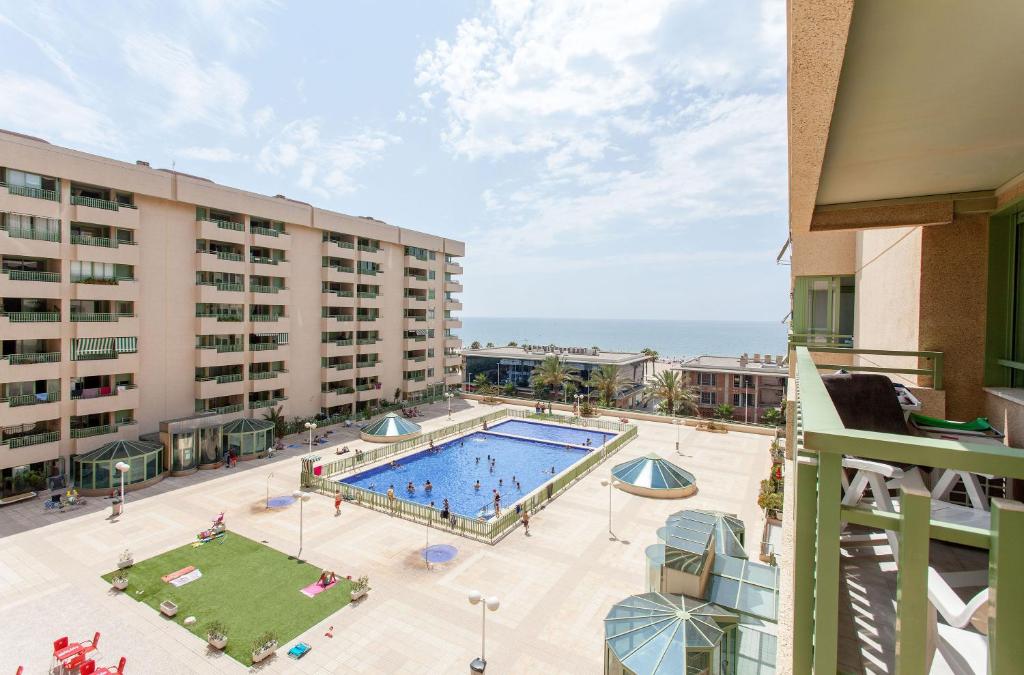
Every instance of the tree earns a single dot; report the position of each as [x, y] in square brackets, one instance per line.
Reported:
[667, 388]
[723, 411]
[398, 394]
[607, 380]
[509, 389]
[651, 355]
[475, 345]
[274, 416]
[772, 416]
[481, 384]
[513, 343]
[552, 373]
[490, 344]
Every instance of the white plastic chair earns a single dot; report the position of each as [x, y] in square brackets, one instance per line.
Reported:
[964, 651]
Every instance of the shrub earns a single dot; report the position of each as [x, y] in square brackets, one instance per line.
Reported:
[587, 410]
[264, 641]
[216, 630]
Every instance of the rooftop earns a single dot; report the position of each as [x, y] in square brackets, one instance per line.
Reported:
[771, 364]
[569, 354]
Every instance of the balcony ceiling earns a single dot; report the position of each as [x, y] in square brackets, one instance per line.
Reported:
[930, 101]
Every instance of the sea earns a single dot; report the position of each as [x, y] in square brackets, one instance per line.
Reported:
[670, 338]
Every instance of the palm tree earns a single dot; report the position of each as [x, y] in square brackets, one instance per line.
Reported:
[475, 345]
[772, 416]
[651, 355]
[481, 384]
[723, 411]
[607, 380]
[274, 415]
[676, 396]
[553, 373]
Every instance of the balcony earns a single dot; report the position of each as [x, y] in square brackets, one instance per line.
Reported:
[31, 439]
[843, 604]
[336, 372]
[452, 323]
[268, 237]
[268, 323]
[222, 324]
[452, 342]
[452, 360]
[269, 267]
[452, 268]
[103, 212]
[335, 397]
[332, 247]
[221, 230]
[30, 284]
[28, 367]
[453, 379]
[224, 355]
[103, 249]
[453, 305]
[34, 201]
[414, 302]
[263, 354]
[415, 384]
[220, 292]
[370, 368]
[269, 380]
[369, 300]
[368, 340]
[100, 400]
[29, 408]
[121, 363]
[266, 402]
[418, 281]
[338, 299]
[452, 287]
[29, 242]
[117, 289]
[337, 348]
[336, 323]
[269, 295]
[223, 261]
[88, 432]
[222, 385]
[339, 274]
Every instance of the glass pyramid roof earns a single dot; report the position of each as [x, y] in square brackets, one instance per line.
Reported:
[653, 472]
[391, 425]
[652, 633]
[688, 536]
[120, 450]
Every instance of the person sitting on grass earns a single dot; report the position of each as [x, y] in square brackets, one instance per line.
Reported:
[327, 577]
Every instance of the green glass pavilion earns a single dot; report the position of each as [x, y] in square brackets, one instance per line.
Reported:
[390, 428]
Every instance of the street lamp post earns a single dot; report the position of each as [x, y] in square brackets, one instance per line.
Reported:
[122, 469]
[609, 482]
[448, 395]
[578, 398]
[478, 665]
[302, 497]
[311, 426]
[676, 421]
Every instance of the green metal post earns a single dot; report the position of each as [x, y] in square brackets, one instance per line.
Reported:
[804, 517]
[826, 564]
[1006, 594]
[912, 576]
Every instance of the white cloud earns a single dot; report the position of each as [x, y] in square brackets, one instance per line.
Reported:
[218, 154]
[33, 106]
[323, 166]
[209, 93]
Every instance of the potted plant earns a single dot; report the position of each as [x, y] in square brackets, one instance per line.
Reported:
[168, 608]
[359, 588]
[120, 581]
[125, 560]
[217, 634]
[263, 646]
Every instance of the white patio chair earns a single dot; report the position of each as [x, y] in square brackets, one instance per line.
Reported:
[964, 651]
[882, 479]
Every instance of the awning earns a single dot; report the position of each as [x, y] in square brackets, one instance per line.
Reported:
[86, 347]
[126, 345]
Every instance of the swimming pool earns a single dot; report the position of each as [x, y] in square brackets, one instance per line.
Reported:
[454, 467]
[553, 433]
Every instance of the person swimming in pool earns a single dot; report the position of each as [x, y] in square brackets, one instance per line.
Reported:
[410, 488]
[476, 486]
[477, 460]
[427, 487]
[501, 482]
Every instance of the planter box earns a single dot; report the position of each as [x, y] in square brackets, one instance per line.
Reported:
[119, 584]
[217, 643]
[168, 608]
[358, 595]
[121, 564]
[264, 653]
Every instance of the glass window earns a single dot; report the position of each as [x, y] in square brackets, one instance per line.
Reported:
[247, 444]
[137, 470]
[86, 475]
[152, 468]
[102, 475]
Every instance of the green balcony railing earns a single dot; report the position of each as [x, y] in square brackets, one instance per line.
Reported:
[871, 361]
[262, 346]
[226, 255]
[368, 271]
[368, 364]
[35, 193]
[220, 316]
[340, 343]
[340, 391]
[342, 244]
[30, 233]
[225, 409]
[366, 317]
[416, 359]
[266, 231]
[821, 442]
[224, 285]
[265, 375]
[223, 348]
[95, 203]
[89, 240]
[264, 403]
[25, 359]
[258, 288]
[415, 378]
[339, 317]
[367, 294]
[221, 379]
[227, 225]
[32, 317]
[365, 387]
[339, 366]
[32, 275]
[263, 260]
[86, 432]
[32, 439]
[33, 399]
[368, 341]
[342, 268]
[417, 277]
[269, 318]
[368, 248]
[340, 294]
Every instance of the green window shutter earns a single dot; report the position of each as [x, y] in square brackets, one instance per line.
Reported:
[800, 288]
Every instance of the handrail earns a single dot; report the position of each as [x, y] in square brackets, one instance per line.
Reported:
[822, 441]
[259, 288]
[87, 432]
[34, 357]
[30, 233]
[31, 439]
[935, 371]
[95, 203]
[266, 231]
[31, 317]
[32, 275]
[36, 193]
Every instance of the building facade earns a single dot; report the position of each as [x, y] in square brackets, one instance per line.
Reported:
[752, 385]
[133, 296]
[504, 365]
[906, 208]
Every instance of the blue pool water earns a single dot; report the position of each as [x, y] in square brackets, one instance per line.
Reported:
[453, 469]
[550, 432]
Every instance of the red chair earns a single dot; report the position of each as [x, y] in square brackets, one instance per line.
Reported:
[63, 650]
[77, 659]
[87, 667]
[113, 671]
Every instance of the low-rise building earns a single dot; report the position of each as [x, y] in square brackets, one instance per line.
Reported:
[752, 385]
[515, 364]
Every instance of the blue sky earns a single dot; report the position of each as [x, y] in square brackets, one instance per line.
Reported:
[614, 158]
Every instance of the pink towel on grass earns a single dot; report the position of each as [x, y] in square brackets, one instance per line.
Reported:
[315, 589]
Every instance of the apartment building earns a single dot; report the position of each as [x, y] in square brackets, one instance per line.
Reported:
[138, 300]
[751, 384]
[906, 186]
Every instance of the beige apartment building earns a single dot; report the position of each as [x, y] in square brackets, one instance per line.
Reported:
[140, 300]
[750, 384]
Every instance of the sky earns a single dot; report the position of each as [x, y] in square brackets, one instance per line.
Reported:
[599, 159]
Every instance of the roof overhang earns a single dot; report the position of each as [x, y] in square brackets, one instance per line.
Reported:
[908, 108]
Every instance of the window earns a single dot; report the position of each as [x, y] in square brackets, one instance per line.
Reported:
[823, 309]
[1004, 345]
[706, 379]
[707, 398]
[743, 400]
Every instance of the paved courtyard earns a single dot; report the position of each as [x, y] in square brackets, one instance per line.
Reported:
[555, 586]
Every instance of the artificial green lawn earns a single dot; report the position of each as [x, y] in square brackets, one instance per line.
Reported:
[249, 587]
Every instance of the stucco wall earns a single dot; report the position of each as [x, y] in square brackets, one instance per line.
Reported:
[954, 264]
[824, 253]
